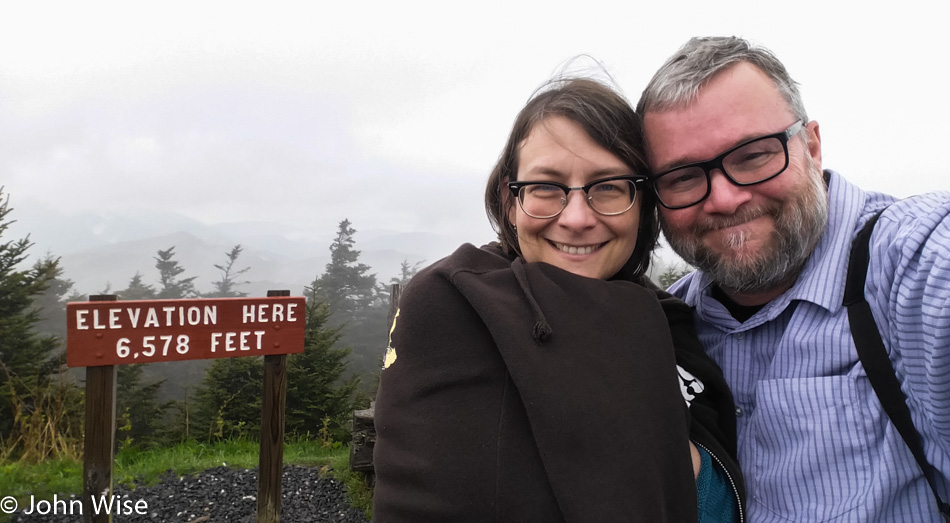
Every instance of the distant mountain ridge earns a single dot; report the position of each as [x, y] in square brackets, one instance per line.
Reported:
[100, 250]
[105, 250]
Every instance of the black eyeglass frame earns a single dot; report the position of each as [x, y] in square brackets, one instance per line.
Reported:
[716, 163]
[636, 180]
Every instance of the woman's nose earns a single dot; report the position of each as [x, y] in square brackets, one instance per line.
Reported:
[577, 213]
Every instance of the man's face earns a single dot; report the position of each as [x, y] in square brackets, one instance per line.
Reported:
[752, 240]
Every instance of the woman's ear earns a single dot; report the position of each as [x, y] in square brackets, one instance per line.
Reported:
[508, 202]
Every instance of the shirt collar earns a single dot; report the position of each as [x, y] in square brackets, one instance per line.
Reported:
[822, 279]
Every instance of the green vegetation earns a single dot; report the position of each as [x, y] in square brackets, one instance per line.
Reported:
[135, 467]
[29, 369]
[46, 478]
[358, 490]
[357, 305]
[216, 420]
[671, 275]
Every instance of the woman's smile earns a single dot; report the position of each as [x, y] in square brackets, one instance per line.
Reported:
[576, 249]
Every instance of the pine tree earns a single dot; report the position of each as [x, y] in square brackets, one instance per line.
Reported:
[406, 272]
[671, 275]
[140, 417]
[228, 401]
[225, 287]
[26, 363]
[173, 288]
[51, 305]
[315, 390]
[356, 304]
[346, 285]
[137, 290]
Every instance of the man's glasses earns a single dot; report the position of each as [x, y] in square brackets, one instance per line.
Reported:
[749, 163]
[609, 196]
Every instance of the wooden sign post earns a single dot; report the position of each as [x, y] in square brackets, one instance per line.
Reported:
[103, 333]
[270, 466]
[99, 434]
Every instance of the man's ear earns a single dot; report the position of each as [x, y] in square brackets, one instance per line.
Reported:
[814, 142]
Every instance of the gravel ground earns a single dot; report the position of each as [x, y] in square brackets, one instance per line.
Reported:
[225, 494]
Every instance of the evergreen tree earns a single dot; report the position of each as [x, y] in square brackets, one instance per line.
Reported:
[315, 390]
[355, 301]
[173, 288]
[228, 401]
[182, 413]
[140, 418]
[225, 287]
[346, 285]
[137, 290]
[51, 305]
[671, 275]
[26, 365]
[406, 272]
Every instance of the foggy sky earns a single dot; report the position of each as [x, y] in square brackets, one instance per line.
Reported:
[392, 114]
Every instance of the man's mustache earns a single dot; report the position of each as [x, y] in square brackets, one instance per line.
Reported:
[743, 215]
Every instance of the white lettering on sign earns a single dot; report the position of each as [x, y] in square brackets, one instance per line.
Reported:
[147, 331]
[121, 318]
[134, 317]
[95, 320]
[234, 341]
[267, 312]
[124, 347]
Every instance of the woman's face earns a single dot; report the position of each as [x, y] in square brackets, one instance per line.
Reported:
[578, 240]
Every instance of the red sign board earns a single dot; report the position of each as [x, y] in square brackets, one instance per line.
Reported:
[147, 331]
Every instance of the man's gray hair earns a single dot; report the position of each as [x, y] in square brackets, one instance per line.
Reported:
[677, 83]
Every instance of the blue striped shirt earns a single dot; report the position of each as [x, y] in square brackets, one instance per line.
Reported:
[814, 443]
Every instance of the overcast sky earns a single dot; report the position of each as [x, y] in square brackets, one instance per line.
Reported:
[391, 113]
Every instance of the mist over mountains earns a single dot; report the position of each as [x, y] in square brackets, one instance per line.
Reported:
[103, 251]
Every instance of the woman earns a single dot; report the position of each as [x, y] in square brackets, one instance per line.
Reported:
[533, 379]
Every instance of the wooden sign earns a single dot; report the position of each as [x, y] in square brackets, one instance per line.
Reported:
[147, 331]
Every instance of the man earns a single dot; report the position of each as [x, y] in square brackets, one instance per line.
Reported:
[737, 167]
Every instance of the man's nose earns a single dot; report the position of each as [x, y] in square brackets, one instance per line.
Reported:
[724, 196]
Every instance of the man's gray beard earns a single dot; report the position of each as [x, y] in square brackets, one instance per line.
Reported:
[799, 224]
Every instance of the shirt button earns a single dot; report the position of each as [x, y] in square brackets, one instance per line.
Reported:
[738, 412]
[740, 335]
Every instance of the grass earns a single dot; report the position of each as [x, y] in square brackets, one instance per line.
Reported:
[42, 479]
[135, 467]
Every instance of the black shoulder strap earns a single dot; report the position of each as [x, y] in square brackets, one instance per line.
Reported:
[873, 356]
